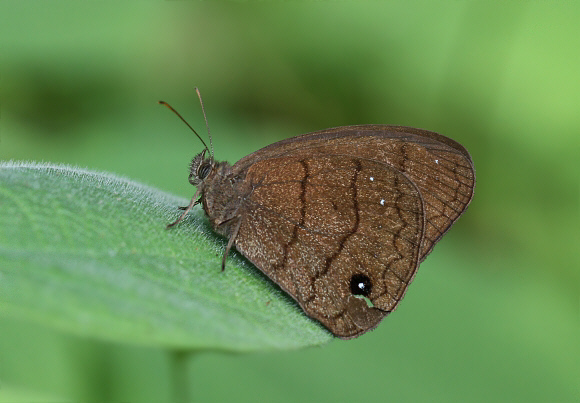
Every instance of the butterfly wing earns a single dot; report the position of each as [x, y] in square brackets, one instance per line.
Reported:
[324, 210]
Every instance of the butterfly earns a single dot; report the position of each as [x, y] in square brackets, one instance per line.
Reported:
[339, 218]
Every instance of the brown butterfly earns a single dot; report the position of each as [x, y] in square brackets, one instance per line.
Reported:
[340, 218]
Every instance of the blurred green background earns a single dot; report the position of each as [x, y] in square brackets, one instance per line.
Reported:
[493, 313]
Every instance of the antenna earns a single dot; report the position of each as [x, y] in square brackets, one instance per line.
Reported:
[205, 118]
[188, 125]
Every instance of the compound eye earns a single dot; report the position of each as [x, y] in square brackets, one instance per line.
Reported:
[203, 171]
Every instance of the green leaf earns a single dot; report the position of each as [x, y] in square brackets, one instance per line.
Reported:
[88, 253]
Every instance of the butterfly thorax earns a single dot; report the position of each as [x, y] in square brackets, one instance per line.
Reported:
[222, 197]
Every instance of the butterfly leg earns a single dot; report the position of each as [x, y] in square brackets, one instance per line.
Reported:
[185, 207]
[192, 203]
[231, 241]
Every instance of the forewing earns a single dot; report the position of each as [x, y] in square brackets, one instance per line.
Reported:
[439, 167]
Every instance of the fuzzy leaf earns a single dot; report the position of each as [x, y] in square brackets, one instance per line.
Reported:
[88, 252]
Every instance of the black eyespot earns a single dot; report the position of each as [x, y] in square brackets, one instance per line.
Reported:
[203, 171]
[360, 284]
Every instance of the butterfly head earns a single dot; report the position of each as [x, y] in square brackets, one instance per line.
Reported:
[200, 168]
